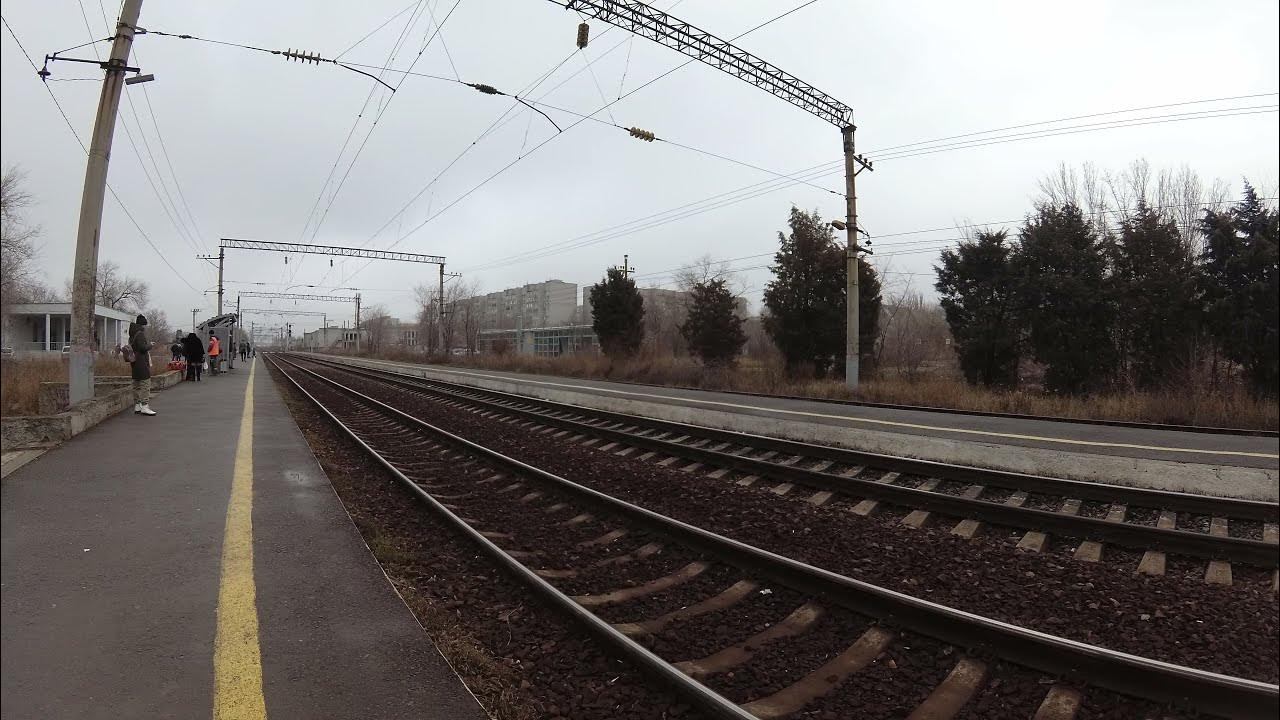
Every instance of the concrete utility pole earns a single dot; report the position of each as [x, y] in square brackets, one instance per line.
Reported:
[193, 318]
[222, 262]
[440, 330]
[853, 299]
[357, 322]
[85, 273]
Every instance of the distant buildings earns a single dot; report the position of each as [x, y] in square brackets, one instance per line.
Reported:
[543, 304]
[545, 319]
[542, 341]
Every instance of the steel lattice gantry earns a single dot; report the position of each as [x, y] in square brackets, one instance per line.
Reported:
[296, 296]
[302, 248]
[649, 22]
[662, 28]
[335, 250]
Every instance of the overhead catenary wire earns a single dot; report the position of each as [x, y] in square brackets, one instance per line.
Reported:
[438, 28]
[497, 123]
[167, 203]
[742, 194]
[76, 135]
[1077, 117]
[356, 123]
[165, 151]
[822, 168]
[535, 104]
[542, 144]
[374, 31]
[448, 55]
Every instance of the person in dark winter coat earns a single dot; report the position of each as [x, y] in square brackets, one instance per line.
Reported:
[141, 366]
[193, 351]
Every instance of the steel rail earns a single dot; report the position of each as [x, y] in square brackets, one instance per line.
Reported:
[693, 692]
[1142, 497]
[1229, 696]
[1143, 537]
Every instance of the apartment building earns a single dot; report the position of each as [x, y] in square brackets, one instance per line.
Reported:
[545, 304]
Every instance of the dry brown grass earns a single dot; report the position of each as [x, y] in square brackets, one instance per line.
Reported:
[20, 380]
[1190, 406]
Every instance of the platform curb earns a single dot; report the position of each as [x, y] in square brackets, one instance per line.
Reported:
[27, 431]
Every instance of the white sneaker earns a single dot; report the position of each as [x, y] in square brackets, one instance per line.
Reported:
[146, 410]
[137, 407]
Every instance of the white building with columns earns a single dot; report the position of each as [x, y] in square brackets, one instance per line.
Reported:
[37, 329]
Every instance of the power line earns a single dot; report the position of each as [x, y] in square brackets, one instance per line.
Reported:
[178, 226]
[931, 244]
[1077, 117]
[75, 134]
[165, 150]
[752, 191]
[395, 47]
[498, 122]
[438, 28]
[371, 33]
[448, 55]
[508, 166]
[1089, 127]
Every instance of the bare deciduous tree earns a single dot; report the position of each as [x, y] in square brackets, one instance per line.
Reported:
[703, 270]
[160, 330]
[467, 314]
[17, 242]
[461, 318]
[914, 334]
[1087, 189]
[116, 290]
[376, 324]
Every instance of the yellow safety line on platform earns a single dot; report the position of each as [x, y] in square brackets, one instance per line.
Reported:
[237, 658]
[869, 421]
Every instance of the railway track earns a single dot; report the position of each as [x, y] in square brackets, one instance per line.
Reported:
[603, 561]
[1219, 530]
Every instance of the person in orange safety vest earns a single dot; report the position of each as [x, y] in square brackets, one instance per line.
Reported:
[215, 350]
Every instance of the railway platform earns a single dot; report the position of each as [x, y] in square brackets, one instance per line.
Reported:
[198, 564]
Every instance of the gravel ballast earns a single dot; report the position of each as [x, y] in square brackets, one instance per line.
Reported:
[1177, 618]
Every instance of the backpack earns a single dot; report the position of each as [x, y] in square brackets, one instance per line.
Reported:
[127, 354]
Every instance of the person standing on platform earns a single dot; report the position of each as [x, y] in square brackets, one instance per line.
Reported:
[175, 351]
[215, 350]
[193, 351]
[141, 366]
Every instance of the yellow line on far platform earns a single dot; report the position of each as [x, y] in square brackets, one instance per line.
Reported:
[237, 658]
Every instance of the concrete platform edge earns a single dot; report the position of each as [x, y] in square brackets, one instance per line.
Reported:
[1210, 479]
[374, 558]
[26, 431]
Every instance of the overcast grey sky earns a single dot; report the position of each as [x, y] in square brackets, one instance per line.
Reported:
[252, 138]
